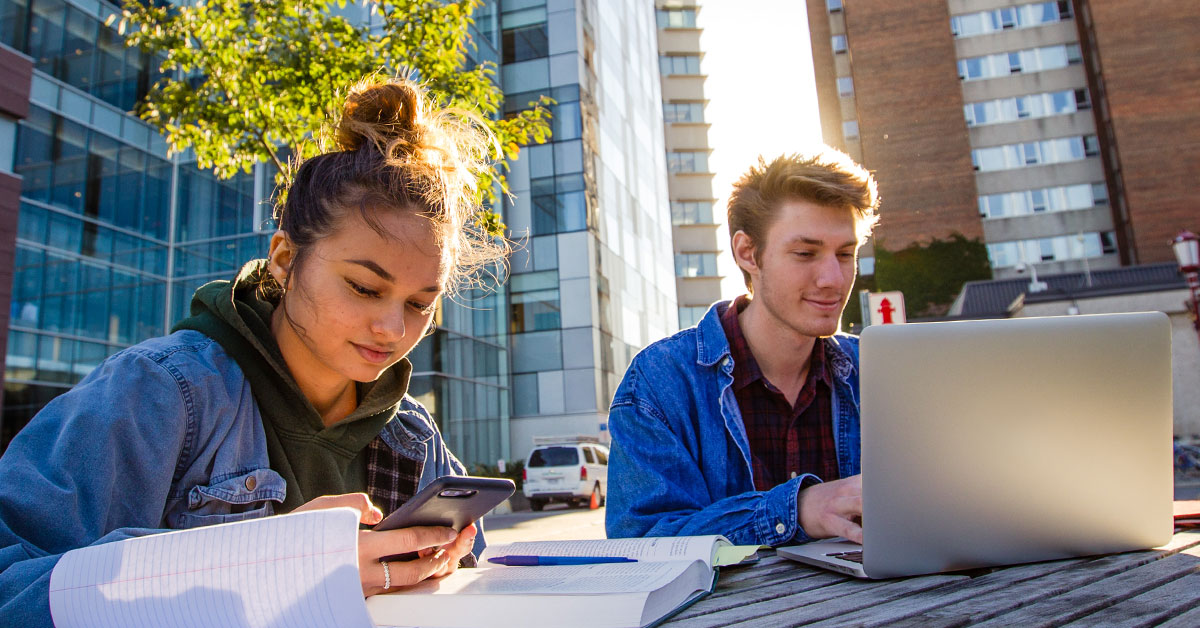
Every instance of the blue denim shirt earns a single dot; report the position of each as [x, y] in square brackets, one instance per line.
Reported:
[163, 435]
[680, 460]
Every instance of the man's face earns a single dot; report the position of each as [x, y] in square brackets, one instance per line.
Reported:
[806, 267]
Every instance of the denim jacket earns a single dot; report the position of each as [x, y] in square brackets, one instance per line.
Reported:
[163, 435]
[680, 460]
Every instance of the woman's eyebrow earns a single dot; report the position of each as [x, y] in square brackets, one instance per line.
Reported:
[373, 267]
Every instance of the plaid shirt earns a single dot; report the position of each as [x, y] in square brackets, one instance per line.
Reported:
[786, 440]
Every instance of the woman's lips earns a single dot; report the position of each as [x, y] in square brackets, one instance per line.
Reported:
[373, 355]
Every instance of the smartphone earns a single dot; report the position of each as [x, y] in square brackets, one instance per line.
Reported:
[451, 501]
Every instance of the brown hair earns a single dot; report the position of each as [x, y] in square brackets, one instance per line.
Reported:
[828, 178]
[392, 149]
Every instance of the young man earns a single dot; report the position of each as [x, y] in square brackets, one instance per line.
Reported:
[746, 425]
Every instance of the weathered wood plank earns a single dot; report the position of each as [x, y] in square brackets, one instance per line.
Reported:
[984, 607]
[1088, 599]
[744, 587]
[761, 571]
[1189, 619]
[1120, 589]
[817, 587]
[1150, 608]
[799, 610]
[891, 612]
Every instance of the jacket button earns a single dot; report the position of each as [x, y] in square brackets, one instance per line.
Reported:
[780, 528]
[251, 482]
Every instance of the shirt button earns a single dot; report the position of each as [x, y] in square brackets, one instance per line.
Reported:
[780, 528]
[251, 482]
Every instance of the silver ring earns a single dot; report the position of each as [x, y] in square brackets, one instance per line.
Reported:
[387, 575]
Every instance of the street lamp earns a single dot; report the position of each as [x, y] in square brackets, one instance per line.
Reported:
[1187, 252]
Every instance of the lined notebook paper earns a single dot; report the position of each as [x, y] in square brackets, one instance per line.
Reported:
[298, 569]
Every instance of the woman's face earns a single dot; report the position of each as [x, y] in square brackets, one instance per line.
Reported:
[361, 300]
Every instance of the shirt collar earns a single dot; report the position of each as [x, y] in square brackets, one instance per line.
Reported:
[745, 367]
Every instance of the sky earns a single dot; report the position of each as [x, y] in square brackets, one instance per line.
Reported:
[761, 92]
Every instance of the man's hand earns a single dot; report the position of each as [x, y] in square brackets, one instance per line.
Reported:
[832, 509]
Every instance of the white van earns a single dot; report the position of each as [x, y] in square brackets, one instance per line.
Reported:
[566, 471]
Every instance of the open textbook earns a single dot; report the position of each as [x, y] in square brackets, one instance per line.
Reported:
[301, 570]
[670, 574]
[298, 569]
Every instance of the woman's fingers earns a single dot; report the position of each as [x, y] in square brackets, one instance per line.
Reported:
[404, 540]
[461, 546]
[410, 572]
[367, 512]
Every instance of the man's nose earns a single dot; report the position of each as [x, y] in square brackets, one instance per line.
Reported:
[829, 273]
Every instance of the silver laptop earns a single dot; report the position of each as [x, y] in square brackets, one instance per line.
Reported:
[1009, 441]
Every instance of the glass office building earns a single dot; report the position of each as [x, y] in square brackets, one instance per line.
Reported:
[114, 235]
[594, 280]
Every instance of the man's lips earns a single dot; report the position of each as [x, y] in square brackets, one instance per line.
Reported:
[372, 353]
[824, 304]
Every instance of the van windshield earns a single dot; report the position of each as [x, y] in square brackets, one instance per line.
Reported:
[554, 457]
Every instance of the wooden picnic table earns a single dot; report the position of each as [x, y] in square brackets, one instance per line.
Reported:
[1150, 588]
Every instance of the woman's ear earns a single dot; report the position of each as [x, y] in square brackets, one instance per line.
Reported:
[280, 256]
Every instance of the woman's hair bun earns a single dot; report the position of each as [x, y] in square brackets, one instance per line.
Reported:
[380, 113]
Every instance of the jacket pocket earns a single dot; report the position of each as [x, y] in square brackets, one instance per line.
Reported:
[236, 498]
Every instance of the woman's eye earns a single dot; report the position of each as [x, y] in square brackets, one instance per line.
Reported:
[423, 308]
[366, 292]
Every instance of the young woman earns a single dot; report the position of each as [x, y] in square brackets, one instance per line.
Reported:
[286, 388]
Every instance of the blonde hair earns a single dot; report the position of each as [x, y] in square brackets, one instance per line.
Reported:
[392, 149]
[828, 178]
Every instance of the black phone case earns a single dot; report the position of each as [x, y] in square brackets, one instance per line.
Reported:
[432, 506]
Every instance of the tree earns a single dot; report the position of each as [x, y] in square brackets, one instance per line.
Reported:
[931, 275]
[248, 82]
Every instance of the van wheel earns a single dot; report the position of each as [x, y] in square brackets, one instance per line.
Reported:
[603, 498]
[536, 505]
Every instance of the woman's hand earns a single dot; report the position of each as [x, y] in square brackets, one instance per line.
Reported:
[457, 549]
[438, 549]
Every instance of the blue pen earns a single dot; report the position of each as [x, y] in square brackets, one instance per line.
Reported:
[541, 561]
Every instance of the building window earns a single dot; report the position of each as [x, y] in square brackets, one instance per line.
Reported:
[679, 64]
[683, 112]
[833, 6]
[1052, 151]
[689, 316]
[687, 161]
[525, 43]
[1007, 63]
[839, 44]
[845, 86]
[691, 212]
[1082, 100]
[1052, 249]
[1024, 16]
[850, 129]
[534, 302]
[1029, 106]
[558, 204]
[696, 265]
[677, 18]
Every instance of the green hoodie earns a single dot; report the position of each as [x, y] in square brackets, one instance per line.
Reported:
[314, 460]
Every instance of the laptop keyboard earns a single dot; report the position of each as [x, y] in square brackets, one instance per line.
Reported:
[854, 557]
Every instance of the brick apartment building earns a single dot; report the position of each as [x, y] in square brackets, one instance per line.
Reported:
[1065, 134]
